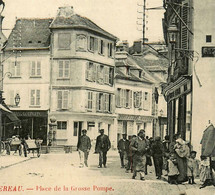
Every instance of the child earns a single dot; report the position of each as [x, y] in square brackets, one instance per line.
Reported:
[172, 169]
[192, 167]
[205, 175]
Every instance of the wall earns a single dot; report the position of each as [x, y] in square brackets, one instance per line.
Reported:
[203, 97]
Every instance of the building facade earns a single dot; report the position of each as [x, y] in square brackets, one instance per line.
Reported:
[82, 76]
[26, 60]
[189, 92]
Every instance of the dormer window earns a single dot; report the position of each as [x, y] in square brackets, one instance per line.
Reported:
[140, 73]
[29, 41]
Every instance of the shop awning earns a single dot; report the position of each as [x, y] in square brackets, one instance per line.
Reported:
[12, 117]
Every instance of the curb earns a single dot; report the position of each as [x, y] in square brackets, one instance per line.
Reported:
[4, 167]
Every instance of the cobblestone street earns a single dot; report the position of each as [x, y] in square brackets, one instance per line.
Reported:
[61, 171]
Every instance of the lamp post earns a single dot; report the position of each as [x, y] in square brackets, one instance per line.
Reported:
[172, 34]
[17, 99]
[52, 132]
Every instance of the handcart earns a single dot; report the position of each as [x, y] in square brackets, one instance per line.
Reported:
[13, 145]
[32, 145]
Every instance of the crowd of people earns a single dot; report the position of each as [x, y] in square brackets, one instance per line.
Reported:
[176, 158]
[136, 154]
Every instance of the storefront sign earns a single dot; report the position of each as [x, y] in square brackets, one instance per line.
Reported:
[208, 51]
[135, 118]
[31, 113]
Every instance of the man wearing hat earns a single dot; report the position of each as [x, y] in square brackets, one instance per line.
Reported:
[84, 145]
[102, 146]
[123, 148]
[139, 147]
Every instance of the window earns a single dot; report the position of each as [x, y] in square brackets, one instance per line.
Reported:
[106, 75]
[81, 43]
[100, 108]
[91, 71]
[208, 38]
[15, 69]
[124, 98]
[35, 97]
[128, 98]
[75, 130]
[106, 102]
[101, 47]
[111, 76]
[62, 98]
[90, 125]
[64, 40]
[137, 99]
[110, 49]
[35, 68]
[100, 74]
[93, 44]
[146, 101]
[63, 69]
[61, 125]
[90, 100]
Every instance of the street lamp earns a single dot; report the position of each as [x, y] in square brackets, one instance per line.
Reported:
[172, 32]
[17, 99]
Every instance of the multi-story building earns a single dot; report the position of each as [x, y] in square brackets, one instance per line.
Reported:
[189, 92]
[138, 97]
[27, 61]
[82, 74]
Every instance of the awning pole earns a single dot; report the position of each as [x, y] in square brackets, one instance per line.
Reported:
[32, 128]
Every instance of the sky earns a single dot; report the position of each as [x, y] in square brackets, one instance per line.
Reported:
[119, 17]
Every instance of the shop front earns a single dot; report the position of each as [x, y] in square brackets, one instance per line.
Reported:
[33, 123]
[179, 106]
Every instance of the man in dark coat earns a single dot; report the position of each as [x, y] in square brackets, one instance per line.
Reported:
[123, 148]
[139, 147]
[157, 153]
[83, 147]
[102, 146]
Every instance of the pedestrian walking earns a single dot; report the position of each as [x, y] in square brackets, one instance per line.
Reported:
[84, 146]
[157, 154]
[148, 155]
[130, 155]
[172, 169]
[102, 147]
[139, 147]
[123, 148]
[192, 167]
[166, 144]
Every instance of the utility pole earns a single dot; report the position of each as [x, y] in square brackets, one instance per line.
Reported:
[144, 20]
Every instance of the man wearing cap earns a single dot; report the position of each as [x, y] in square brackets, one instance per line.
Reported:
[123, 148]
[102, 146]
[139, 147]
[83, 147]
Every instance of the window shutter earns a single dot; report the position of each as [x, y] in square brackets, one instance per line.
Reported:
[38, 68]
[60, 69]
[86, 99]
[97, 101]
[130, 98]
[140, 99]
[66, 69]
[148, 101]
[59, 99]
[32, 97]
[103, 102]
[65, 99]
[95, 44]
[94, 101]
[98, 73]
[184, 31]
[135, 99]
[117, 97]
[111, 103]
[94, 72]
[88, 42]
[37, 97]
[87, 70]
[33, 68]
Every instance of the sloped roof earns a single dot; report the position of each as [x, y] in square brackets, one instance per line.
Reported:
[77, 21]
[30, 33]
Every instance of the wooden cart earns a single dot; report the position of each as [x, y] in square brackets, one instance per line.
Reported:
[32, 145]
[13, 145]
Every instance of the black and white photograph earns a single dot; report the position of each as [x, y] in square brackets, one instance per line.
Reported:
[111, 97]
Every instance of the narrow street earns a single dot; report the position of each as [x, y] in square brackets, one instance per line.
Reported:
[60, 174]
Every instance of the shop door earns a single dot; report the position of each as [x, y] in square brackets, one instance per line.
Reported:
[77, 130]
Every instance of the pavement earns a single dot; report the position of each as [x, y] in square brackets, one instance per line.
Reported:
[61, 170]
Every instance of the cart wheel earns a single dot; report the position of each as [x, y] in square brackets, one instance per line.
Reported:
[8, 149]
[2, 147]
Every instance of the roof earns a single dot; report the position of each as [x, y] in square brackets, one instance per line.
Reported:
[30, 33]
[77, 21]
[131, 77]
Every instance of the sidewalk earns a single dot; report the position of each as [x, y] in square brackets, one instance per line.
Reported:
[13, 159]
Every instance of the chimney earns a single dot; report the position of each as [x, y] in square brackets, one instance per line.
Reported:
[137, 47]
[65, 11]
